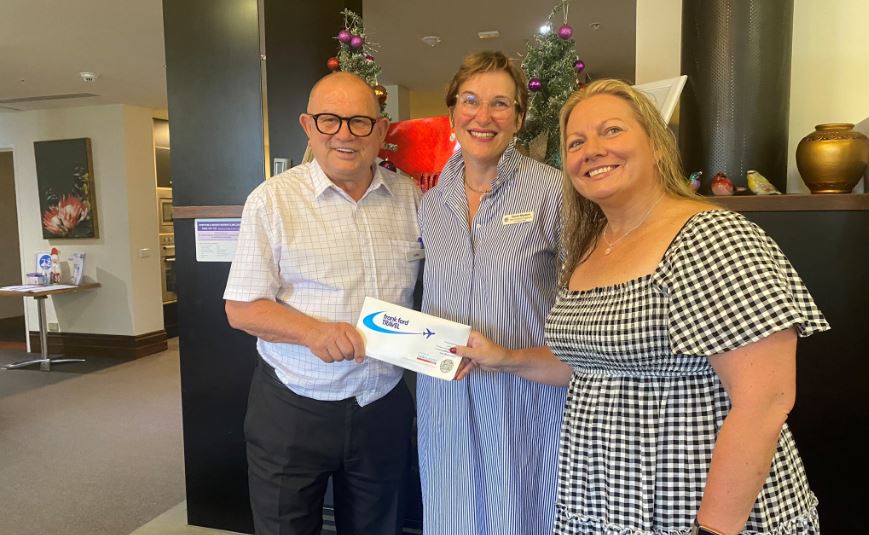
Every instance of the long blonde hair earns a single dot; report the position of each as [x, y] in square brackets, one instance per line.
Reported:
[583, 221]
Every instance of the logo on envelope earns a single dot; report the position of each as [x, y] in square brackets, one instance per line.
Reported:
[390, 324]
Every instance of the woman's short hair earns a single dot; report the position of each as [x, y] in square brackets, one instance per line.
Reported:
[583, 220]
[488, 61]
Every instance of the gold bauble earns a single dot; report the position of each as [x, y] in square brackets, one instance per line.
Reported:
[380, 93]
[833, 158]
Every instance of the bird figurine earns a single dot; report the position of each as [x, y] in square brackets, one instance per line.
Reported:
[721, 184]
[758, 184]
[694, 180]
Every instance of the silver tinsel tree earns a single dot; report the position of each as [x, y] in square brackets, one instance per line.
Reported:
[553, 71]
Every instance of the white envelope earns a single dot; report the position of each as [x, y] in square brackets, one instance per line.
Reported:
[410, 339]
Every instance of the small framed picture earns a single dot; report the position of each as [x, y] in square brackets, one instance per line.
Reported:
[279, 165]
[664, 94]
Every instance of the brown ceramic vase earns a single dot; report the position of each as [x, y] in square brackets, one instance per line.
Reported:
[833, 158]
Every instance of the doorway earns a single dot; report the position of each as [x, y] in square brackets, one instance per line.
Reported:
[13, 333]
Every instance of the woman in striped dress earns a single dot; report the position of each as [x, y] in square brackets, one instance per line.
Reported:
[675, 328]
[490, 228]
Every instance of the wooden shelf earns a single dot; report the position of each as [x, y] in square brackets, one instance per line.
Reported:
[203, 212]
[795, 202]
[742, 203]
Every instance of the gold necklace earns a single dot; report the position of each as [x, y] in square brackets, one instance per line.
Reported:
[611, 244]
[481, 193]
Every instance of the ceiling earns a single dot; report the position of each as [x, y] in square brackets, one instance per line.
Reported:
[47, 43]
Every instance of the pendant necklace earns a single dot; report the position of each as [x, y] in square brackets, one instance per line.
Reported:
[611, 244]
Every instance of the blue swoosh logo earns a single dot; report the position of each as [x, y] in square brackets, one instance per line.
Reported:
[368, 321]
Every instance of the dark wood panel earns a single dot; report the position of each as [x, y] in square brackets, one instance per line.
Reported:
[215, 100]
[831, 419]
[296, 59]
[101, 345]
[215, 105]
[217, 363]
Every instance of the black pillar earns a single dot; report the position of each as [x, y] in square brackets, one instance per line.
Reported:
[734, 111]
[213, 71]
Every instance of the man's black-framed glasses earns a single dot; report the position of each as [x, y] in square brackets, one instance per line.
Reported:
[329, 124]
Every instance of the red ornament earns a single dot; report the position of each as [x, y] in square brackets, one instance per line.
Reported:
[333, 64]
[721, 184]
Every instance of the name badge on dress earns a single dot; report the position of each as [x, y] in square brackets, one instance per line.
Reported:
[414, 254]
[521, 217]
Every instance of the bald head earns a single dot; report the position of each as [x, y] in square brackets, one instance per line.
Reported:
[341, 81]
[346, 158]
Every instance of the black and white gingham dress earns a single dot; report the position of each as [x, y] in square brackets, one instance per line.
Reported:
[644, 405]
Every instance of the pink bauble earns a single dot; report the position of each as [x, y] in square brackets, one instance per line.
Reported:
[565, 32]
[535, 85]
[579, 65]
[386, 164]
[344, 36]
[356, 41]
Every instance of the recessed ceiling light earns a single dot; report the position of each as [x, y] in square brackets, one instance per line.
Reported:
[87, 76]
[492, 34]
[431, 40]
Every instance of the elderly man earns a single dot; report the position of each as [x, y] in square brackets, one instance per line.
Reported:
[314, 242]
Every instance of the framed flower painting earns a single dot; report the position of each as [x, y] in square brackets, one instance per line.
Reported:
[65, 177]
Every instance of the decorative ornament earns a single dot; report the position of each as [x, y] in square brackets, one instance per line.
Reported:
[565, 32]
[535, 85]
[759, 184]
[333, 64]
[721, 184]
[386, 164]
[579, 66]
[380, 93]
[833, 158]
[694, 180]
[356, 50]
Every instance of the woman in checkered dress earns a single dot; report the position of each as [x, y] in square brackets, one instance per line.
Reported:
[675, 328]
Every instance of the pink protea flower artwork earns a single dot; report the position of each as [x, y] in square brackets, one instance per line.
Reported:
[63, 217]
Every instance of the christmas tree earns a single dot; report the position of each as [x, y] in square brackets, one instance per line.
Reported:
[553, 71]
[355, 54]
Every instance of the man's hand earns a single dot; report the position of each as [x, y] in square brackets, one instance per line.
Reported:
[333, 342]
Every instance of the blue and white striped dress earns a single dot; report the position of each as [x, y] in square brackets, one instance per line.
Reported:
[488, 445]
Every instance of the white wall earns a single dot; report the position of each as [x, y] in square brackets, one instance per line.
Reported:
[659, 40]
[829, 70]
[129, 301]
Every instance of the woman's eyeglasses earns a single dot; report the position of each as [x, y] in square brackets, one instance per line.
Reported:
[329, 124]
[470, 104]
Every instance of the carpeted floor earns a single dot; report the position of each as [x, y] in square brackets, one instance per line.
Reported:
[92, 448]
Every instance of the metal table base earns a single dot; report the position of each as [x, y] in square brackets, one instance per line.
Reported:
[44, 360]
